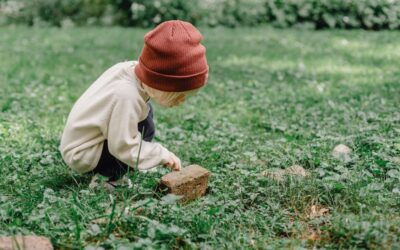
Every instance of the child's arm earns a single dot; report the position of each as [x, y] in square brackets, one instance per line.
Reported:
[124, 138]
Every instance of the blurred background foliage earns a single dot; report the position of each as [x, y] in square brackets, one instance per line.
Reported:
[318, 14]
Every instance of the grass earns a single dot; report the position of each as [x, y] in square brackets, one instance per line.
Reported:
[275, 98]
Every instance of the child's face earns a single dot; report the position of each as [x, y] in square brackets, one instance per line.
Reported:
[173, 99]
[169, 99]
[176, 100]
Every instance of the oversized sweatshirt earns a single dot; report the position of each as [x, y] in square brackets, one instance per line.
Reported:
[110, 109]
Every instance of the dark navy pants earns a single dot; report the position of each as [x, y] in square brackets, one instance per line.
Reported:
[113, 168]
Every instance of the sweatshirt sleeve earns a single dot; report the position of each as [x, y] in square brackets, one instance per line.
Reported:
[124, 138]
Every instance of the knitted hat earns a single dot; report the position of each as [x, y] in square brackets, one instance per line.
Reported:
[172, 58]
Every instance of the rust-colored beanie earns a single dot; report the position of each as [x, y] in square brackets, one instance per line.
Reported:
[173, 58]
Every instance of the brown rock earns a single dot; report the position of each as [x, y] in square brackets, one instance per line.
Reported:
[25, 243]
[191, 182]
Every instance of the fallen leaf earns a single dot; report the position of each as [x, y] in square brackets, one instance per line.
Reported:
[317, 211]
[313, 236]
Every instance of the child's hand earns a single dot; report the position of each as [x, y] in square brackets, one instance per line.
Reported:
[174, 162]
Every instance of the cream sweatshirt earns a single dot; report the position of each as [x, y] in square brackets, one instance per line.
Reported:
[111, 109]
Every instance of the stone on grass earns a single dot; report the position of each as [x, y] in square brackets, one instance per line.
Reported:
[190, 183]
[396, 160]
[25, 243]
[341, 151]
[278, 175]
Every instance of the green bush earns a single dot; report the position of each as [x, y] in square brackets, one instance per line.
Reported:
[56, 13]
[142, 13]
[146, 13]
[367, 14]
[232, 12]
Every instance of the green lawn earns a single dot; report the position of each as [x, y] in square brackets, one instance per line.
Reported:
[274, 98]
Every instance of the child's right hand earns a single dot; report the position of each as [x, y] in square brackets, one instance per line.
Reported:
[174, 162]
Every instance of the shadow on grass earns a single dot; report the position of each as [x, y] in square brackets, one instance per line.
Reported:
[67, 181]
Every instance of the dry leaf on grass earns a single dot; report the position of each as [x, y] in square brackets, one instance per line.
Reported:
[317, 211]
[312, 235]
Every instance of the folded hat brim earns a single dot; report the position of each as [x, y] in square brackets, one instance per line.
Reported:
[170, 83]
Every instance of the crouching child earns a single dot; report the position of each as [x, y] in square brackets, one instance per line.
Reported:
[110, 127]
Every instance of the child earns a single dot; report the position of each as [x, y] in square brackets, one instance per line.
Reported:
[104, 130]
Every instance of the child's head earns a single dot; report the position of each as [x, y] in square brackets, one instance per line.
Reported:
[173, 63]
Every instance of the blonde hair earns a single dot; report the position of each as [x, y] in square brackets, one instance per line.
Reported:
[168, 99]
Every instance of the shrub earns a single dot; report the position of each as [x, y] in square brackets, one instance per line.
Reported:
[209, 12]
[55, 13]
[144, 13]
[367, 14]
[149, 13]
[232, 12]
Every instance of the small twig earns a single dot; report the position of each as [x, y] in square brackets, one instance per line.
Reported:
[140, 147]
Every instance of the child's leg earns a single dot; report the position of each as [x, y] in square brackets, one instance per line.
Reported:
[109, 166]
[113, 168]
